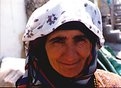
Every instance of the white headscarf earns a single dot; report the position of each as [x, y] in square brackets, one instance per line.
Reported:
[54, 13]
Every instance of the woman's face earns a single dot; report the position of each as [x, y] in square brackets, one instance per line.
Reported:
[68, 51]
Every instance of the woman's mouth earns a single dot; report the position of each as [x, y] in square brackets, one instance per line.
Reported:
[70, 64]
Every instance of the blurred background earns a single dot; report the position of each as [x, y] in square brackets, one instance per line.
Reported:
[15, 13]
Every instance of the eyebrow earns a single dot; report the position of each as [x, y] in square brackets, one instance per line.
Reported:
[79, 37]
[57, 38]
[76, 38]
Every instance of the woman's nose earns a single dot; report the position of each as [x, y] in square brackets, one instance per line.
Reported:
[70, 53]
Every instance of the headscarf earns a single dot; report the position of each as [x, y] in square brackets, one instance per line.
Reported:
[44, 21]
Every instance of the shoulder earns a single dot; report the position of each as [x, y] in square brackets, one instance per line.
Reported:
[107, 79]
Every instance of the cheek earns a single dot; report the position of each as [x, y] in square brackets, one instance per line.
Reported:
[51, 58]
[54, 51]
[54, 54]
[50, 54]
[85, 50]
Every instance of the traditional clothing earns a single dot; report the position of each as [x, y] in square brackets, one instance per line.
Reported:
[78, 14]
[107, 79]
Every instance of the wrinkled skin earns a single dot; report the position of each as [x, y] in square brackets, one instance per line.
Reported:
[67, 51]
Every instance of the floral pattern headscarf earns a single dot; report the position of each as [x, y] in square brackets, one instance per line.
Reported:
[47, 18]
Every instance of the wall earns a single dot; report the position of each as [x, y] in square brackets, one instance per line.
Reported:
[12, 25]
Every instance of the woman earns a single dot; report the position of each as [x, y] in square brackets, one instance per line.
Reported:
[61, 41]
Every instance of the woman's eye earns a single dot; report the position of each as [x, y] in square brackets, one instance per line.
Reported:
[80, 40]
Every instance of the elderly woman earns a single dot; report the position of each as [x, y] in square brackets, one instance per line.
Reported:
[61, 40]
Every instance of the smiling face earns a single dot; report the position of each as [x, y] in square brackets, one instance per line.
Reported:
[67, 51]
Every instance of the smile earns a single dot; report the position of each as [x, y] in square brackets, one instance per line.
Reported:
[71, 64]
